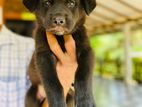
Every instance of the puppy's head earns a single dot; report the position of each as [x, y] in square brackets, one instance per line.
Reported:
[60, 16]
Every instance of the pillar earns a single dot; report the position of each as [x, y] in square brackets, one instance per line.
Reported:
[127, 49]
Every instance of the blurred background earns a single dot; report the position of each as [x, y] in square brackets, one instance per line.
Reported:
[115, 32]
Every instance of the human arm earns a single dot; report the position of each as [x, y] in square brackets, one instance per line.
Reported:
[67, 63]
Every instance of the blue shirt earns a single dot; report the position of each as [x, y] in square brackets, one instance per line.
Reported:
[15, 56]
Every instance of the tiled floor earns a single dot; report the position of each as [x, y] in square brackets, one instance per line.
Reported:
[112, 93]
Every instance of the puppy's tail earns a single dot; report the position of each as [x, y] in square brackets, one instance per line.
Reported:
[31, 98]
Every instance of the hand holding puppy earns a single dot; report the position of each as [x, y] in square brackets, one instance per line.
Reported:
[67, 62]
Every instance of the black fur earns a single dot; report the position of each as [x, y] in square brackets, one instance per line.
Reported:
[89, 5]
[31, 97]
[31, 4]
[42, 68]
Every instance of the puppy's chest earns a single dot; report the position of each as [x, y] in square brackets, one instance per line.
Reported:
[61, 42]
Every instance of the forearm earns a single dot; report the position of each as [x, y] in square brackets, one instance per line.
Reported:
[66, 75]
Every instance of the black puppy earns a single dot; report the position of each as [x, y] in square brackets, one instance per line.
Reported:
[60, 17]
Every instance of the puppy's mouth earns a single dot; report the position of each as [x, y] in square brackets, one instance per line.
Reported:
[58, 30]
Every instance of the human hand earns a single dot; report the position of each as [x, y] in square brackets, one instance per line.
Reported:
[67, 62]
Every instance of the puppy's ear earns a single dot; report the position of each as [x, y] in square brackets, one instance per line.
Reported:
[31, 4]
[88, 5]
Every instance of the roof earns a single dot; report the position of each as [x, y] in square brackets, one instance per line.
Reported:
[111, 15]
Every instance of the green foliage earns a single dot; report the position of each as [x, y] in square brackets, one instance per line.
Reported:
[110, 47]
[137, 41]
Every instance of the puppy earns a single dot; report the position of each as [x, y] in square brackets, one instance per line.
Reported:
[60, 17]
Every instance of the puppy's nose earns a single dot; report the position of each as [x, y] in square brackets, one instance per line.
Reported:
[59, 20]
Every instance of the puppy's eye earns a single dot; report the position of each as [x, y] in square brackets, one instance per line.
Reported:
[71, 4]
[47, 3]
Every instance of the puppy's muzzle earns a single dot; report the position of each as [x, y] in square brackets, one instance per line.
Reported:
[58, 20]
[58, 24]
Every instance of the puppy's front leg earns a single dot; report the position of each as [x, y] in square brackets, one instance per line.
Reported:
[83, 80]
[53, 88]
[46, 67]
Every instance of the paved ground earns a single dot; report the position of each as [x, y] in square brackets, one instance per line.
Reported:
[111, 93]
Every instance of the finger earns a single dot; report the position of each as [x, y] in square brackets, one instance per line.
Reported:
[54, 46]
[70, 46]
